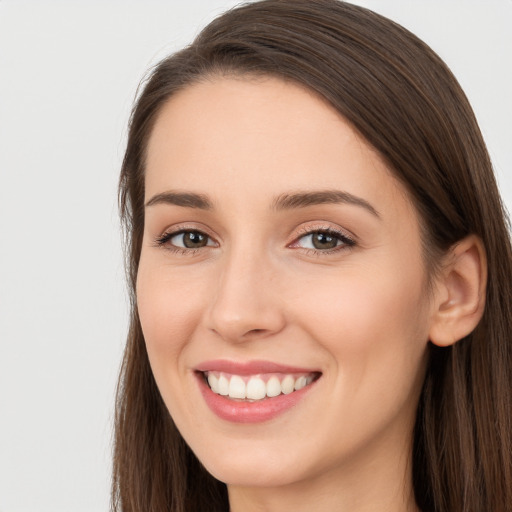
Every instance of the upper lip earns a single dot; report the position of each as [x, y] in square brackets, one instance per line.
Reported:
[249, 367]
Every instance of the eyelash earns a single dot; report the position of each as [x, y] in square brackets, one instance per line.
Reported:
[164, 239]
[346, 241]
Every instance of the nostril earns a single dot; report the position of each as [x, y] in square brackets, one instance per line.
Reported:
[256, 331]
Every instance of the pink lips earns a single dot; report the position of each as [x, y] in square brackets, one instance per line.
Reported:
[241, 411]
[249, 368]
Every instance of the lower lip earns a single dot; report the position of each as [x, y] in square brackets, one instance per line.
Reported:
[250, 412]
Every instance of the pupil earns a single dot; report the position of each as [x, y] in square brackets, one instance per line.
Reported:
[324, 241]
[192, 240]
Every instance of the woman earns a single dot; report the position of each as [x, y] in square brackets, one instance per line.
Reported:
[320, 272]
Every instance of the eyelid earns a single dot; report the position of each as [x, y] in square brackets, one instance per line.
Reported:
[168, 233]
[348, 239]
[325, 227]
[171, 236]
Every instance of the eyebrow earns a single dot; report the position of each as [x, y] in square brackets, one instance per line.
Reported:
[305, 199]
[282, 202]
[185, 199]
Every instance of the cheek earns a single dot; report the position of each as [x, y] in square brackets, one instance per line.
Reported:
[169, 308]
[373, 323]
[375, 330]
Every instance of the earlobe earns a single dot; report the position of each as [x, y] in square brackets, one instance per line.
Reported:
[460, 296]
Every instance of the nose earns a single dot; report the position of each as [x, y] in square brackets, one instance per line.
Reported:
[247, 303]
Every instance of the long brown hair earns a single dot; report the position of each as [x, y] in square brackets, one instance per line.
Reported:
[404, 100]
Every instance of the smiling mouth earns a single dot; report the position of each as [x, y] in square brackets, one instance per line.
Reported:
[251, 388]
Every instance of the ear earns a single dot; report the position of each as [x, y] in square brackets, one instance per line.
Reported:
[460, 292]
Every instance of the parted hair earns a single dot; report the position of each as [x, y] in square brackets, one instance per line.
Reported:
[402, 98]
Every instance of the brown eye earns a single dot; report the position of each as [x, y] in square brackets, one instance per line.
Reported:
[324, 241]
[190, 239]
[185, 240]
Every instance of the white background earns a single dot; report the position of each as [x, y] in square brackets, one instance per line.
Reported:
[68, 75]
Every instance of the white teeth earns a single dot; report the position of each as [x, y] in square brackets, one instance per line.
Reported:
[288, 384]
[236, 387]
[300, 383]
[223, 386]
[213, 382]
[256, 389]
[273, 387]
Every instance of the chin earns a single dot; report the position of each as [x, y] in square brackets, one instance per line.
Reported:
[248, 474]
[253, 466]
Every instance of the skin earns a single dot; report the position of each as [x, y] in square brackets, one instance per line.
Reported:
[359, 314]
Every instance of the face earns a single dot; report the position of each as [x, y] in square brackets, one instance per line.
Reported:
[281, 262]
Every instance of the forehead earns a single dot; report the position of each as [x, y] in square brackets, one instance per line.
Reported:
[238, 136]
